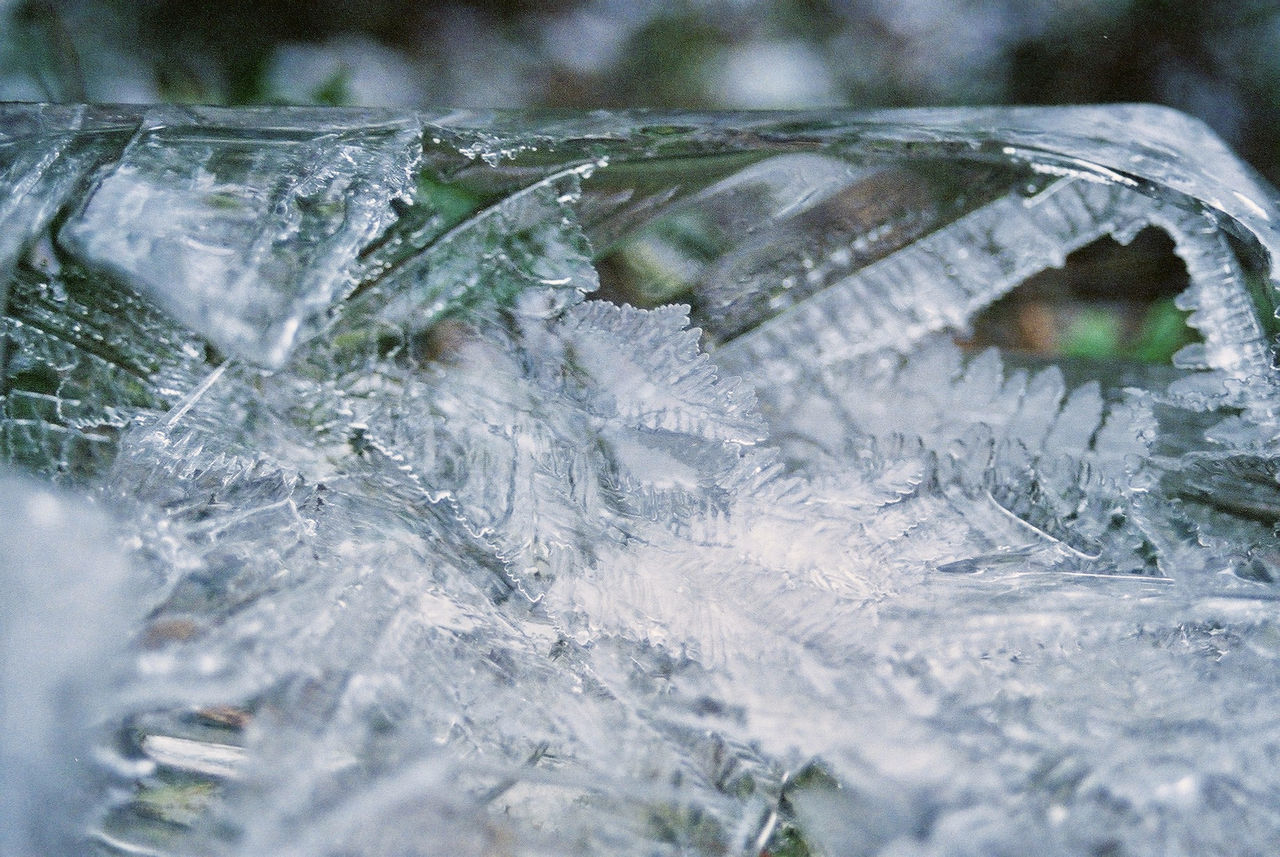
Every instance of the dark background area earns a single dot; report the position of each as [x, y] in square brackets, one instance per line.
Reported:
[1216, 59]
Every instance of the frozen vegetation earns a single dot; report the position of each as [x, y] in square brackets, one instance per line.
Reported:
[484, 484]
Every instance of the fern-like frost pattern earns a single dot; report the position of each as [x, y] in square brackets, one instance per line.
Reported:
[403, 529]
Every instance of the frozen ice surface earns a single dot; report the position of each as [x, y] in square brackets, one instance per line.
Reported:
[46, 157]
[623, 484]
[83, 356]
[261, 229]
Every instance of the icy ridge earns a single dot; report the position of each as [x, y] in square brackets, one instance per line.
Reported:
[850, 384]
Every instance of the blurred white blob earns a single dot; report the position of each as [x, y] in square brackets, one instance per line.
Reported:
[363, 71]
[771, 75]
[63, 618]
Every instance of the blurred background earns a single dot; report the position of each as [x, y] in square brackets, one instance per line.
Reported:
[1216, 59]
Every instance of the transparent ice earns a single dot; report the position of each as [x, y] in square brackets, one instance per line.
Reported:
[478, 483]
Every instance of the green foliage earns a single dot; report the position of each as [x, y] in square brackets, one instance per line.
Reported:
[1098, 334]
[1094, 334]
[688, 828]
[788, 841]
[336, 90]
[1164, 331]
[45, 50]
[180, 803]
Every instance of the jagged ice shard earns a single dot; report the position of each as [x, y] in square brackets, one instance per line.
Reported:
[627, 483]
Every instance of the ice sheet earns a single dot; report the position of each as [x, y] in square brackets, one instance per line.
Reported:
[426, 529]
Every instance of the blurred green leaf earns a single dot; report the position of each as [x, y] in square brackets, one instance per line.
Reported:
[336, 90]
[1164, 331]
[1094, 334]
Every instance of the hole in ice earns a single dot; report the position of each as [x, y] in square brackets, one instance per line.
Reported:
[1109, 301]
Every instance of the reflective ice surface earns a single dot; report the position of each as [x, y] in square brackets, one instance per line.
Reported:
[628, 484]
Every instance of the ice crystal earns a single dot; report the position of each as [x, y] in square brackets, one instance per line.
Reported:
[627, 484]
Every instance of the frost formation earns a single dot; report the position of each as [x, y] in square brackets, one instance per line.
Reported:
[430, 547]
